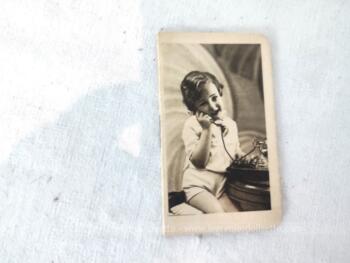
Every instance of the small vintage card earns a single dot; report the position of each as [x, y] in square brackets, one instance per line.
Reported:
[218, 136]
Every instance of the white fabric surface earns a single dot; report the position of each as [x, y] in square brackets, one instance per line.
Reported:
[78, 77]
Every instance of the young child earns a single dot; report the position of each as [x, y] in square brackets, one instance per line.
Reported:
[203, 135]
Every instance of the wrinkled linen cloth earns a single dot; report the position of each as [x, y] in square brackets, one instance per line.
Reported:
[79, 138]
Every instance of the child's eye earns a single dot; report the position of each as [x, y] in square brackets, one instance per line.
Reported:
[215, 98]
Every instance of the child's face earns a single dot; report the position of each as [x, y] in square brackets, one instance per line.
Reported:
[210, 101]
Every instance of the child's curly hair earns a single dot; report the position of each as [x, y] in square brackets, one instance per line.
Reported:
[192, 84]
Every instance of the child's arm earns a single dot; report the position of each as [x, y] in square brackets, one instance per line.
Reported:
[201, 151]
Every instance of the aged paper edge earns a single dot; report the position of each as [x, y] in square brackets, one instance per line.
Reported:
[225, 222]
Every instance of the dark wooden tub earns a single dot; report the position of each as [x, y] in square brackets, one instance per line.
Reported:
[249, 188]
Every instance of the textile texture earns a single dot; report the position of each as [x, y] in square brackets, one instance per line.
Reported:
[79, 140]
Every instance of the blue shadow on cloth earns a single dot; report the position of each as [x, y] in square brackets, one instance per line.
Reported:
[72, 174]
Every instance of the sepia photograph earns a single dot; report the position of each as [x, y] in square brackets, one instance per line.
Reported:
[218, 143]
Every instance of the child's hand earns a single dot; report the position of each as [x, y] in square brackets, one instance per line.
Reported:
[204, 119]
[220, 123]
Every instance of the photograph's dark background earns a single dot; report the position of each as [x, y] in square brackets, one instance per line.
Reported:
[238, 68]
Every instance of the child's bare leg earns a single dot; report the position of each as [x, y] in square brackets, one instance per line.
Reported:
[206, 202]
[227, 204]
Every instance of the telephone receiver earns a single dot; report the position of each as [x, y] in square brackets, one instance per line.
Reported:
[217, 124]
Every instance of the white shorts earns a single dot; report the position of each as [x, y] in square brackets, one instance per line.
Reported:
[195, 181]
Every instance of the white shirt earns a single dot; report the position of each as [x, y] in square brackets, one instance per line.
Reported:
[219, 160]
